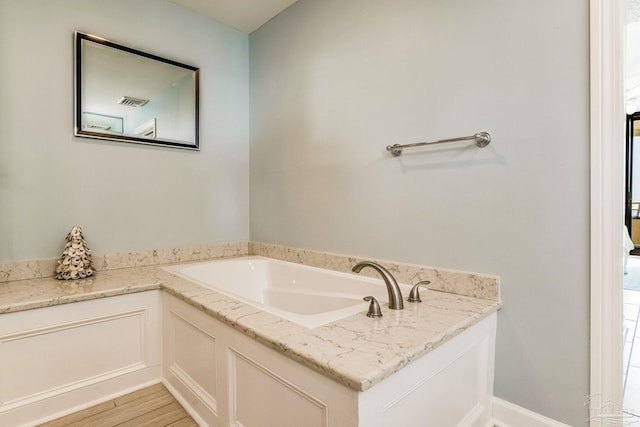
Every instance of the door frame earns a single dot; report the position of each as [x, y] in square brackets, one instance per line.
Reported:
[606, 206]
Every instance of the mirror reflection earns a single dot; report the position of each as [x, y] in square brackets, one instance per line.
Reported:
[128, 95]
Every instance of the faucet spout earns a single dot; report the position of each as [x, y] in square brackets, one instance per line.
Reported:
[395, 296]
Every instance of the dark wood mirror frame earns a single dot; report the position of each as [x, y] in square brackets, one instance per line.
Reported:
[147, 135]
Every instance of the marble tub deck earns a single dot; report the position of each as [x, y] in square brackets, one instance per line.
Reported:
[356, 351]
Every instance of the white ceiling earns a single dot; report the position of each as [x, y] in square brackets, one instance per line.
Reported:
[243, 15]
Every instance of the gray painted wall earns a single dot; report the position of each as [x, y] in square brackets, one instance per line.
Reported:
[126, 196]
[333, 82]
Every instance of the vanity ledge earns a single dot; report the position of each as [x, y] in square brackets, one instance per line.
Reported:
[356, 351]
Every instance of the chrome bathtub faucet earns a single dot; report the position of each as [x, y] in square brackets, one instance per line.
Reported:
[414, 295]
[395, 296]
[374, 307]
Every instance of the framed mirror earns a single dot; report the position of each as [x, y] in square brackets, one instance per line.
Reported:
[127, 95]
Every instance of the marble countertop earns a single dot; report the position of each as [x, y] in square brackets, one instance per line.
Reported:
[356, 351]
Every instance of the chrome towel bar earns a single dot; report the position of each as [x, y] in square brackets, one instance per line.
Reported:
[482, 139]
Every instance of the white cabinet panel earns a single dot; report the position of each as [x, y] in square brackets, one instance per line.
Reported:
[60, 359]
[191, 362]
[261, 398]
[256, 386]
[69, 355]
[259, 387]
[450, 386]
[194, 357]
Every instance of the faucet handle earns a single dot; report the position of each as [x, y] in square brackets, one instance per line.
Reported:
[374, 307]
[414, 295]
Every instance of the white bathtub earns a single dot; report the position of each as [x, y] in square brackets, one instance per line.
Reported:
[308, 296]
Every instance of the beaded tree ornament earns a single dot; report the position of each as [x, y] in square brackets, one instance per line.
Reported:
[75, 262]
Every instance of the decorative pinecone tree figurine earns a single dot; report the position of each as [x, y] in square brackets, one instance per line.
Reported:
[75, 262]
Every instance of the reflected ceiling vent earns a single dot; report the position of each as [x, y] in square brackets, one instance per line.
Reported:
[130, 101]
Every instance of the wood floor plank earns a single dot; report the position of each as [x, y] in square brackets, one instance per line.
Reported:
[153, 406]
[80, 415]
[185, 422]
[158, 417]
[142, 393]
[125, 412]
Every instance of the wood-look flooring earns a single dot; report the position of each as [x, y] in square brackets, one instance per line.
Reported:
[152, 406]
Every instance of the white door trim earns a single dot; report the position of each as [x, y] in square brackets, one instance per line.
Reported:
[607, 201]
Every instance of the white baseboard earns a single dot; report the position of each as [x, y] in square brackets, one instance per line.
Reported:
[186, 405]
[506, 414]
